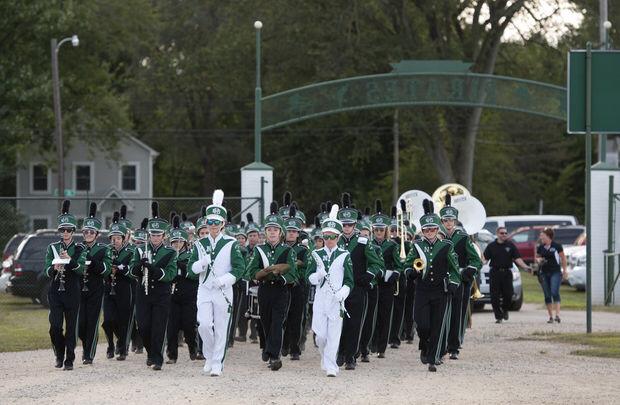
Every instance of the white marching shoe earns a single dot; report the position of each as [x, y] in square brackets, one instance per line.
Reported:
[207, 367]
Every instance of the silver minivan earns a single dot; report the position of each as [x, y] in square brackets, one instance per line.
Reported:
[512, 222]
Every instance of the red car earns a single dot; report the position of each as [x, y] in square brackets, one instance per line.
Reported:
[526, 238]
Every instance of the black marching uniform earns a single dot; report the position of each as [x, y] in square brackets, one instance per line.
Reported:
[370, 320]
[295, 320]
[91, 297]
[501, 256]
[398, 313]
[182, 309]
[152, 309]
[64, 305]
[118, 306]
[434, 286]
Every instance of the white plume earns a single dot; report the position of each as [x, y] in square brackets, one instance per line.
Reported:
[333, 214]
[218, 197]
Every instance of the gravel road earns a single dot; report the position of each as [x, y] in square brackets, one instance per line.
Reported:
[493, 368]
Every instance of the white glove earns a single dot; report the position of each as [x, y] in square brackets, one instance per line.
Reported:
[342, 294]
[205, 261]
[388, 274]
[224, 281]
[217, 282]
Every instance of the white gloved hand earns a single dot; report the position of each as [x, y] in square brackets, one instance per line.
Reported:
[388, 274]
[342, 294]
[205, 261]
[225, 281]
[218, 282]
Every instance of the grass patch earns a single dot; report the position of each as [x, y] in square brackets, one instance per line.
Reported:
[598, 344]
[25, 326]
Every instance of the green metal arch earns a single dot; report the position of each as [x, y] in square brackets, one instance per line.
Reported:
[413, 89]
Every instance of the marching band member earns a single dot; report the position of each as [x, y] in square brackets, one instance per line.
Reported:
[398, 311]
[98, 265]
[410, 296]
[366, 265]
[331, 270]
[154, 266]
[469, 264]
[138, 238]
[64, 265]
[387, 283]
[273, 265]
[217, 260]
[435, 271]
[294, 324]
[118, 299]
[256, 332]
[183, 297]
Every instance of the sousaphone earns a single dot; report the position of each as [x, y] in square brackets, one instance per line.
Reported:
[413, 200]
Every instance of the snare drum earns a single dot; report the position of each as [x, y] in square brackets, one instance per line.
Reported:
[253, 311]
[311, 293]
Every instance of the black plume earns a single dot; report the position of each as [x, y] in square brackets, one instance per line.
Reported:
[317, 222]
[393, 211]
[123, 211]
[292, 211]
[328, 206]
[428, 206]
[249, 217]
[65, 206]
[353, 206]
[367, 211]
[144, 223]
[92, 210]
[155, 209]
[115, 217]
[242, 224]
[172, 215]
[448, 199]
[359, 214]
[203, 211]
[286, 200]
[229, 217]
[183, 217]
[378, 207]
[273, 208]
[294, 203]
[403, 206]
[323, 207]
[346, 200]
[175, 221]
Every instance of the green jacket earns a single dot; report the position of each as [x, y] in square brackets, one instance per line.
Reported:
[163, 261]
[121, 259]
[466, 253]
[391, 254]
[266, 255]
[441, 263]
[100, 257]
[372, 256]
[74, 250]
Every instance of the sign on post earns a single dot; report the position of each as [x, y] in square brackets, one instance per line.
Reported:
[605, 92]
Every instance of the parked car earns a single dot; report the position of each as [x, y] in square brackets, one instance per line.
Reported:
[577, 272]
[526, 238]
[27, 276]
[483, 238]
[11, 245]
[512, 222]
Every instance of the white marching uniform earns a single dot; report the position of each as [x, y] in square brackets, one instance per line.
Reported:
[219, 264]
[332, 272]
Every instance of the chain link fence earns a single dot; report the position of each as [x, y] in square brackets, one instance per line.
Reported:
[29, 214]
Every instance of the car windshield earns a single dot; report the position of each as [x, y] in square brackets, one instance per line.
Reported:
[566, 236]
[35, 247]
[12, 245]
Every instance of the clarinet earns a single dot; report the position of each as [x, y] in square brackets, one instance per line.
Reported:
[145, 271]
[61, 275]
[113, 276]
[85, 277]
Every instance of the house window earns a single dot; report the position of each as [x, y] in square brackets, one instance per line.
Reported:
[129, 177]
[82, 177]
[39, 178]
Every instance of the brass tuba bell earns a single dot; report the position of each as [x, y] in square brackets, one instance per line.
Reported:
[454, 189]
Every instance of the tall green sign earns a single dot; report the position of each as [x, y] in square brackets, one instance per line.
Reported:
[605, 92]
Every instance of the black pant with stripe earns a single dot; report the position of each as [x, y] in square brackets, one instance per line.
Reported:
[182, 316]
[356, 305]
[370, 320]
[118, 315]
[385, 306]
[431, 317]
[407, 333]
[152, 316]
[398, 314]
[273, 303]
[295, 319]
[64, 308]
[91, 302]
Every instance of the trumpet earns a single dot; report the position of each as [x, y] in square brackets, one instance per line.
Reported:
[418, 264]
[475, 291]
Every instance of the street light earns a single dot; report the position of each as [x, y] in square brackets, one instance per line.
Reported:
[257, 98]
[75, 41]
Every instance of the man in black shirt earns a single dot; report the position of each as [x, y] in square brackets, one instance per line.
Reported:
[501, 253]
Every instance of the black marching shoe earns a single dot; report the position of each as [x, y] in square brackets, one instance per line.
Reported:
[454, 356]
[365, 358]
[381, 355]
[139, 350]
[171, 361]
[410, 341]
[200, 356]
[110, 353]
[240, 338]
[59, 363]
[275, 364]
[149, 362]
[340, 360]
[498, 321]
[265, 356]
[294, 356]
[87, 361]
[284, 351]
[506, 316]
[68, 365]
[432, 368]
[121, 357]
[393, 346]
[156, 367]
[350, 365]
[423, 357]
